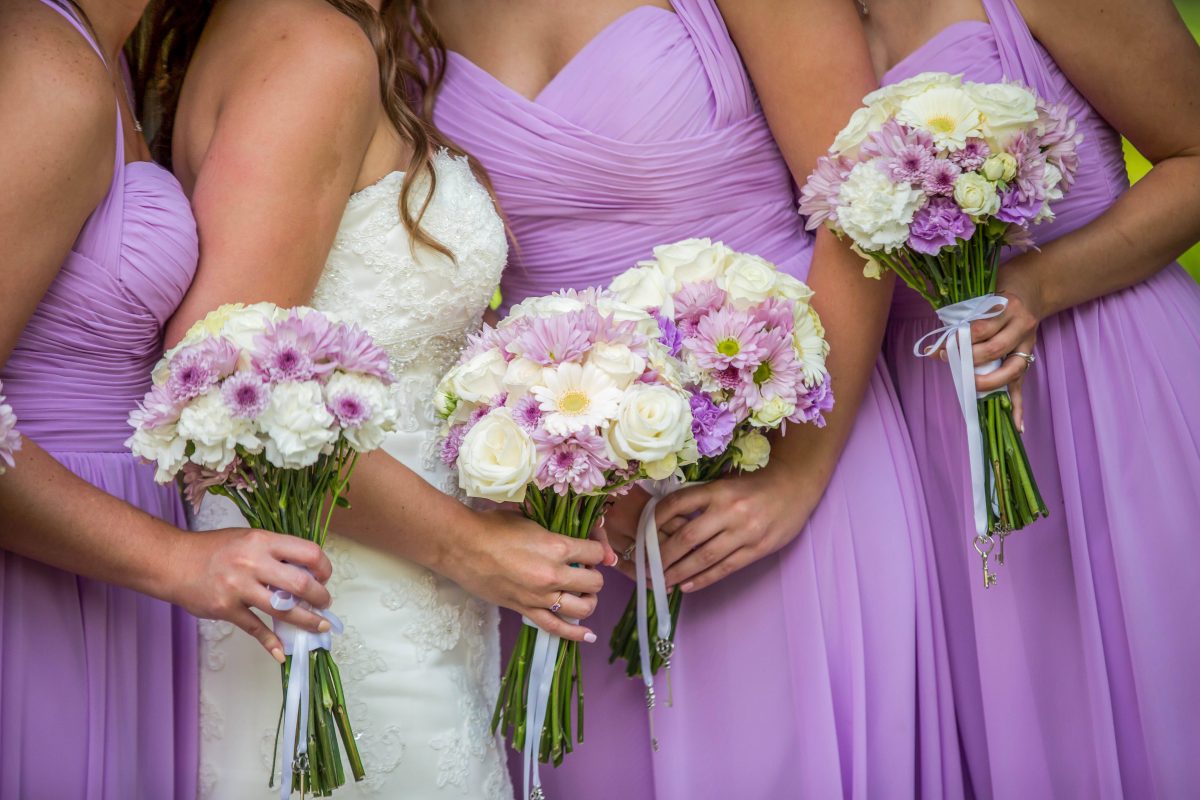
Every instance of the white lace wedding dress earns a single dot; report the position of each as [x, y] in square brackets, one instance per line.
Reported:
[420, 656]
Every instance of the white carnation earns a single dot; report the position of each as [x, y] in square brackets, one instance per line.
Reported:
[382, 403]
[296, 426]
[875, 212]
[215, 433]
[497, 459]
[162, 445]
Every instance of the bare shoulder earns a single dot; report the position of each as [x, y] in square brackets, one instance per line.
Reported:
[57, 97]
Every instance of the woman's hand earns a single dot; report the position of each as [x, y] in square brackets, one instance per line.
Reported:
[1003, 337]
[513, 562]
[716, 529]
[618, 529]
[223, 574]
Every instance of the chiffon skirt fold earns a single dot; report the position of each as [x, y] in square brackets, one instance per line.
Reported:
[98, 684]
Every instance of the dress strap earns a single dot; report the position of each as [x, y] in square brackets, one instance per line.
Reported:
[732, 90]
[1020, 55]
[67, 12]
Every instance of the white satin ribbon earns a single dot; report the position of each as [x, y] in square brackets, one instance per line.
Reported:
[648, 559]
[297, 643]
[955, 334]
[537, 701]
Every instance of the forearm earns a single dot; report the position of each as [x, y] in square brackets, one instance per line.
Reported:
[395, 510]
[854, 312]
[51, 515]
[1149, 226]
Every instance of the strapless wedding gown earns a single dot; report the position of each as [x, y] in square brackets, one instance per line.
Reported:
[419, 656]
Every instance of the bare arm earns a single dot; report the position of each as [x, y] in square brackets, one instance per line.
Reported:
[54, 180]
[810, 65]
[267, 219]
[1154, 102]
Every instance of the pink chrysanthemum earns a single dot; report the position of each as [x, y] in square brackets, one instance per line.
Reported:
[694, 301]
[158, 408]
[1060, 140]
[894, 139]
[819, 197]
[776, 312]
[245, 395]
[353, 350]
[197, 480]
[552, 340]
[972, 155]
[813, 404]
[527, 413]
[940, 178]
[296, 348]
[777, 375]
[452, 443]
[727, 338]
[577, 462]
[192, 373]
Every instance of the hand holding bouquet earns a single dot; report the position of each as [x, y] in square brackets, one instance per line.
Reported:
[571, 399]
[931, 179]
[270, 408]
[753, 351]
[10, 440]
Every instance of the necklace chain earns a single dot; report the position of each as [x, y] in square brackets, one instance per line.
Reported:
[862, 6]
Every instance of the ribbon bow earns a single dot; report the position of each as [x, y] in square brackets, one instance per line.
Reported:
[297, 643]
[955, 334]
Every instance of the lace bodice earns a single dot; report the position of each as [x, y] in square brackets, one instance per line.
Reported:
[419, 307]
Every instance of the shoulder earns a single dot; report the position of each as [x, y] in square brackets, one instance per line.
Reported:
[54, 89]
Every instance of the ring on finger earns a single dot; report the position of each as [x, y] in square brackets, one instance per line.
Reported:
[1030, 358]
[557, 604]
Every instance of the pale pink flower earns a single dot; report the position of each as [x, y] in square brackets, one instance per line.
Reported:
[727, 338]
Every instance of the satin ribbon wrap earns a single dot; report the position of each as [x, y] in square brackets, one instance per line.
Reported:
[537, 701]
[955, 334]
[648, 560]
[297, 643]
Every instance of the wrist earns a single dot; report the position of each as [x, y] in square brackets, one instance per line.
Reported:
[1020, 279]
[162, 573]
[446, 548]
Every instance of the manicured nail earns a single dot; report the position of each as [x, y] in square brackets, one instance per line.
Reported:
[1022, 428]
[612, 560]
[324, 626]
[589, 637]
[687, 587]
[278, 655]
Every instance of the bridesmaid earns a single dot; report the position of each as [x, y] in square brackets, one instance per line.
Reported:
[98, 693]
[1076, 675]
[816, 668]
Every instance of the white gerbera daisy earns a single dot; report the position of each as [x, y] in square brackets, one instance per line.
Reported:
[576, 397]
[811, 347]
[948, 113]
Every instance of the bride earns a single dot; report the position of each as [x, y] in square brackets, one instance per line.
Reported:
[302, 134]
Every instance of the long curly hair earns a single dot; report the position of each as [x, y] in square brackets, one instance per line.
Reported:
[412, 64]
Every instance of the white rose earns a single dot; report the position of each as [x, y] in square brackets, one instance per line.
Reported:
[161, 445]
[545, 306]
[774, 411]
[692, 260]
[215, 433]
[751, 451]
[1000, 167]
[749, 280]
[862, 124]
[295, 425]
[791, 288]
[521, 375]
[1006, 108]
[618, 361]
[383, 404]
[497, 459]
[653, 422]
[479, 379]
[976, 195]
[890, 97]
[875, 212]
[645, 288]
[621, 311]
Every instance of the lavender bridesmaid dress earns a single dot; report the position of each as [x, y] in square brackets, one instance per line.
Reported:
[817, 672]
[98, 695]
[1076, 676]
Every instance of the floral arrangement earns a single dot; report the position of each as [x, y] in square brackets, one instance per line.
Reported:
[931, 178]
[270, 408]
[753, 350]
[571, 399]
[10, 440]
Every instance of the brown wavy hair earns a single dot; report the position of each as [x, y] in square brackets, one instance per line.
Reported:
[412, 64]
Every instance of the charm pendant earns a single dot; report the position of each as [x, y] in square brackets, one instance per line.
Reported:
[983, 545]
[537, 794]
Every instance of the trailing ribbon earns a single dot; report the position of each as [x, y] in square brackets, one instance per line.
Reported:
[537, 701]
[297, 643]
[646, 549]
[955, 334]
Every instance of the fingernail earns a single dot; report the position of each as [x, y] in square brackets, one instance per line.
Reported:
[589, 637]
[1022, 428]
[278, 655]
[612, 560]
[687, 587]
[324, 626]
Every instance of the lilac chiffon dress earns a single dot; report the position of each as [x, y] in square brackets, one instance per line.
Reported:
[98, 695]
[820, 671]
[1076, 676]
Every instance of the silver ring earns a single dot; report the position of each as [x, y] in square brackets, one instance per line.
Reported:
[1030, 358]
[557, 603]
[627, 553]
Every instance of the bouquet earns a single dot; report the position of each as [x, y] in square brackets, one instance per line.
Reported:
[10, 440]
[931, 179]
[571, 399]
[270, 408]
[753, 350]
